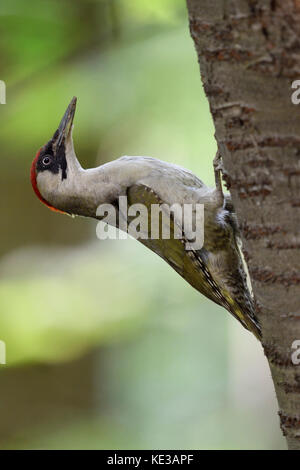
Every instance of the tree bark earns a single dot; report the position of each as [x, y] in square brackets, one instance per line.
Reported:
[249, 55]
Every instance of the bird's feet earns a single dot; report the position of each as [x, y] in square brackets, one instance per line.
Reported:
[217, 162]
[218, 168]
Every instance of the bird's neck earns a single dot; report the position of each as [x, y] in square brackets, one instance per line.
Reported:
[80, 193]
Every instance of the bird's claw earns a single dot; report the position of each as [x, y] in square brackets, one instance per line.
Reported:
[218, 168]
[217, 162]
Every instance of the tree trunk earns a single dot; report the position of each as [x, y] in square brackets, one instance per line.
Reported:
[249, 56]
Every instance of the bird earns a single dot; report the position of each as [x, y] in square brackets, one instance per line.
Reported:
[216, 269]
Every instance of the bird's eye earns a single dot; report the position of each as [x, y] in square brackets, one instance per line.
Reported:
[46, 161]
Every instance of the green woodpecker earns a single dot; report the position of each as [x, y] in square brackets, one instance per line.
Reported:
[215, 269]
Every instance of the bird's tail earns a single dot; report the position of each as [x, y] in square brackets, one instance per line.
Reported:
[248, 320]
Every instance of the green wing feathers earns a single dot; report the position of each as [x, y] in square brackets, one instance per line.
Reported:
[219, 275]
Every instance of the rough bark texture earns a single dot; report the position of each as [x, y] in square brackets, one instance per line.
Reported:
[249, 54]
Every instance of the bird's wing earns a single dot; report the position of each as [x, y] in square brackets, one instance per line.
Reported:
[188, 263]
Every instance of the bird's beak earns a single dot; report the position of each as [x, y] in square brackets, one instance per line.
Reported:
[64, 130]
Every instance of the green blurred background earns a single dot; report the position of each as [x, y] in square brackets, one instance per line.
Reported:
[107, 347]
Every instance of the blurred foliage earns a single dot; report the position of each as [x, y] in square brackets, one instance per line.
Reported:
[57, 313]
[164, 370]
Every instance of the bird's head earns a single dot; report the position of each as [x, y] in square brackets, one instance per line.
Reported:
[55, 164]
